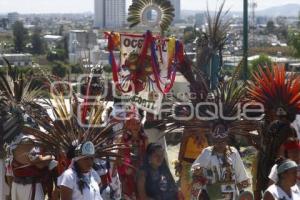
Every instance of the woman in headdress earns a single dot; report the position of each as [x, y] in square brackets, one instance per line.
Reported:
[69, 130]
[17, 97]
[29, 167]
[81, 181]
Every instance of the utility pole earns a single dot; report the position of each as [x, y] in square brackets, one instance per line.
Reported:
[245, 41]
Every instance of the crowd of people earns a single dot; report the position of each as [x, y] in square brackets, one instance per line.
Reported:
[142, 171]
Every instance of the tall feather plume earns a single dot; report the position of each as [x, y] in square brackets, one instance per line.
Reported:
[138, 6]
[18, 97]
[67, 130]
[276, 89]
[228, 98]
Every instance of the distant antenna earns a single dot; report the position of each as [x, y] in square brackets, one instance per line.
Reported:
[253, 6]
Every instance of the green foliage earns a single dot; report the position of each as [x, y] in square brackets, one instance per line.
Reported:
[294, 42]
[4, 23]
[37, 42]
[77, 69]
[189, 35]
[20, 36]
[272, 51]
[59, 70]
[107, 69]
[56, 55]
[61, 30]
[262, 61]
[270, 27]
[299, 20]
[60, 53]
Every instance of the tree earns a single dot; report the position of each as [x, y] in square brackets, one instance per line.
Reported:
[4, 23]
[262, 61]
[294, 42]
[63, 45]
[107, 69]
[61, 30]
[189, 35]
[270, 27]
[59, 70]
[77, 69]
[20, 36]
[56, 55]
[299, 20]
[37, 42]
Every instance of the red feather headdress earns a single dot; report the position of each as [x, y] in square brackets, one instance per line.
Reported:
[277, 91]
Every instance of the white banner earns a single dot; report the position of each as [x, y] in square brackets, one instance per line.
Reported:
[150, 98]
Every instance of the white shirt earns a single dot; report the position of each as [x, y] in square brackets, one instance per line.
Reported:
[274, 177]
[279, 194]
[69, 179]
[296, 125]
[216, 173]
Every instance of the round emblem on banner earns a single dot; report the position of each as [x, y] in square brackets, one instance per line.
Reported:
[151, 16]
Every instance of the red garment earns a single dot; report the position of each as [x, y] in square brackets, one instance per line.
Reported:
[33, 172]
[106, 179]
[294, 145]
[28, 171]
[137, 147]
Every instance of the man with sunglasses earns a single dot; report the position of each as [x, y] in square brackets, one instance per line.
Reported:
[218, 173]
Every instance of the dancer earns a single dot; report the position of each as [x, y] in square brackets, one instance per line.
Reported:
[81, 181]
[29, 166]
[136, 142]
[219, 169]
[285, 188]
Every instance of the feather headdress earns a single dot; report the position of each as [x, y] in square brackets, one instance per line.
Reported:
[277, 91]
[67, 129]
[138, 12]
[224, 107]
[17, 98]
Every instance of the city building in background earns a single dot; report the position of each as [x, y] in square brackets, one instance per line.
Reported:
[200, 19]
[109, 13]
[177, 6]
[52, 40]
[18, 59]
[80, 44]
[12, 18]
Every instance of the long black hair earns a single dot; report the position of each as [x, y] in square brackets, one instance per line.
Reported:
[278, 133]
[81, 182]
[151, 148]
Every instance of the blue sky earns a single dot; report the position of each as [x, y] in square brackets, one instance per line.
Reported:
[75, 6]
